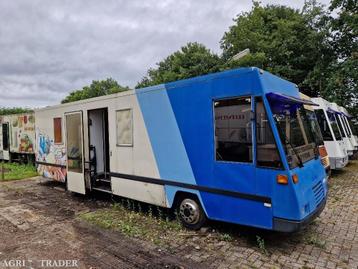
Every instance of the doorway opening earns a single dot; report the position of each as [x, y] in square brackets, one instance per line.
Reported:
[5, 136]
[99, 149]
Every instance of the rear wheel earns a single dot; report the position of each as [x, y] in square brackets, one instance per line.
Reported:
[191, 214]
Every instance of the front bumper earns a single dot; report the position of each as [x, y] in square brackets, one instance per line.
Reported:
[289, 226]
[338, 163]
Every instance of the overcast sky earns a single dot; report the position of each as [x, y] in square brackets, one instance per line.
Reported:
[48, 48]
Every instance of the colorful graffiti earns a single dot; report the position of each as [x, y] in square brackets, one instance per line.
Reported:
[23, 133]
[54, 155]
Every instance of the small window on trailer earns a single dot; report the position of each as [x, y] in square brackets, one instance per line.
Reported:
[124, 125]
[57, 127]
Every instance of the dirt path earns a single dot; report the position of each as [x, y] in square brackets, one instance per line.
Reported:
[38, 222]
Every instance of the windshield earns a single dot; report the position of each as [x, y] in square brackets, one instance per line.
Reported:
[323, 125]
[333, 120]
[295, 132]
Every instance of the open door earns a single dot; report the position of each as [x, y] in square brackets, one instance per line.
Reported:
[74, 147]
[5, 142]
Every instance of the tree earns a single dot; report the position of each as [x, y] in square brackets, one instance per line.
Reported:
[285, 41]
[14, 110]
[192, 60]
[97, 88]
[342, 80]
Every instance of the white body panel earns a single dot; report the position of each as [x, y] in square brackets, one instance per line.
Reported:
[141, 191]
[336, 149]
[137, 159]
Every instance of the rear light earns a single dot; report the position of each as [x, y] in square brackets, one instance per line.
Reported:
[282, 179]
[322, 151]
[295, 179]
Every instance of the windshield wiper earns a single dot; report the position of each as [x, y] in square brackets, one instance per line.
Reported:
[287, 141]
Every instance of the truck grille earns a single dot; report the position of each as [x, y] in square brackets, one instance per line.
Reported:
[318, 192]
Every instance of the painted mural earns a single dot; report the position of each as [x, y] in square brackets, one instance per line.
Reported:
[49, 152]
[22, 133]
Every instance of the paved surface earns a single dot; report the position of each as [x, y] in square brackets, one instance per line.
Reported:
[38, 221]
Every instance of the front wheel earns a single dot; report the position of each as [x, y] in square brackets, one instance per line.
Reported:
[191, 214]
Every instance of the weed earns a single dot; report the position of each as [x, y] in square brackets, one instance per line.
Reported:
[150, 211]
[128, 204]
[315, 241]
[160, 213]
[261, 244]
[226, 237]
[122, 218]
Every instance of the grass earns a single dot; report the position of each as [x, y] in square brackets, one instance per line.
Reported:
[316, 241]
[14, 171]
[128, 218]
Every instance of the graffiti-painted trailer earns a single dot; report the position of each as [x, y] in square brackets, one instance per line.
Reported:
[229, 146]
[17, 137]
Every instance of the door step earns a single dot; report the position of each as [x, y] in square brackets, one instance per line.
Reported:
[104, 180]
[103, 189]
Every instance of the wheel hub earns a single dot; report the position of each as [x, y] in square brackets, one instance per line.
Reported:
[189, 211]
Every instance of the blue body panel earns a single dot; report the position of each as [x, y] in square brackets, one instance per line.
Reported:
[180, 123]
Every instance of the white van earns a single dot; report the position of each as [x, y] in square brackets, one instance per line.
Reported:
[332, 137]
[347, 142]
[346, 123]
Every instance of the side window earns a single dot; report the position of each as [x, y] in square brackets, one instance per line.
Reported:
[124, 122]
[266, 150]
[233, 130]
[57, 127]
[323, 125]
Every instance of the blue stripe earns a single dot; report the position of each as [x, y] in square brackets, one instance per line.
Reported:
[164, 134]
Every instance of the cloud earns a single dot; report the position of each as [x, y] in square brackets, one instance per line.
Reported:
[48, 48]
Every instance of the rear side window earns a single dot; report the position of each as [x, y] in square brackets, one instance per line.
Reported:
[266, 149]
[323, 125]
[57, 127]
[233, 130]
[124, 125]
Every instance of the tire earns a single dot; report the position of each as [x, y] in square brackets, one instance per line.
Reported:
[191, 214]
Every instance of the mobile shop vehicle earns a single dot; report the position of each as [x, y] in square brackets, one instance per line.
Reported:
[227, 146]
[312, 118]
[345, 122]
[347, 143]
[338, 156]
[17, 137]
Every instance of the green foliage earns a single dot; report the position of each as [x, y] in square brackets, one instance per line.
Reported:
[192, 60]
[132, 223]
[261, 244]
[282, 40]
[342, 79]
[97, 88]
[14, 110]
[14, 171]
